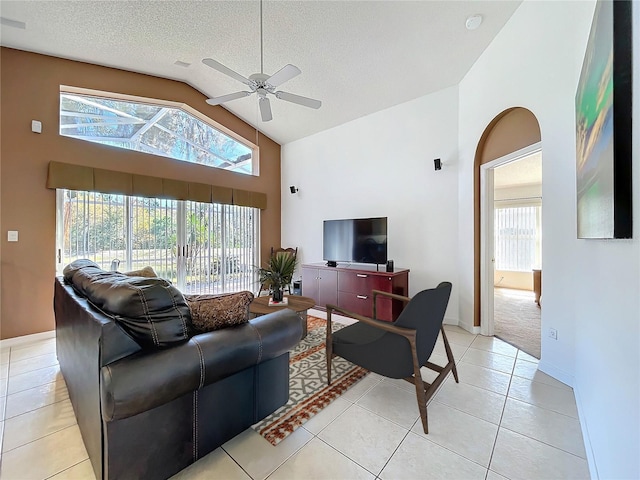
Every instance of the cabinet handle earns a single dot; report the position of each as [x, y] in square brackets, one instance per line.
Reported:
[361, 275]
[362, 297]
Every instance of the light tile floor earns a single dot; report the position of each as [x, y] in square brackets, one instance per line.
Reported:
[505, 419]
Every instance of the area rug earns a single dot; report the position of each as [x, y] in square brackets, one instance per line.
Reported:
[308, 389]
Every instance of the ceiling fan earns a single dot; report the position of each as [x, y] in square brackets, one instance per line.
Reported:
[262, 84]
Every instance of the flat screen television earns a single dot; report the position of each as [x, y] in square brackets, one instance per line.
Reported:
[359, 240]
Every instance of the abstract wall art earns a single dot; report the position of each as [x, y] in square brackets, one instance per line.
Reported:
[603, 126]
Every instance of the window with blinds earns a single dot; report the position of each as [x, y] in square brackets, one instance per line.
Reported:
[517, 241]
[200, 247]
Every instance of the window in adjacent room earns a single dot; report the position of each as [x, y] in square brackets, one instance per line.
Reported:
[157, 127]
[200, 247]
[517, 237]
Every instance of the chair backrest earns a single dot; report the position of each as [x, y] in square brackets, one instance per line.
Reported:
[425, 313]
[292, 251]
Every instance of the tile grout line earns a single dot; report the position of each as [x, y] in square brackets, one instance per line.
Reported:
[34, 370]
[68, 468]
[351, 459]
[504, 406]
[545, 443]
[395, 450]
[232, 459]
[36, 409]
[544, 408]
[44, 436]
[4, 413]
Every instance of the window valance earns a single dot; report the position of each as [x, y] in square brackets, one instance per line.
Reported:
[78, 177]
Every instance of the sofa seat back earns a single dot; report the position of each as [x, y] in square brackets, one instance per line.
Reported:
[149, 379]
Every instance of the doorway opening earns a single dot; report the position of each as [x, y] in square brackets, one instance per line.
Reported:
[517, 251]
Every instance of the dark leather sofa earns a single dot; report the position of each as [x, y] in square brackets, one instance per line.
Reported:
[148, 410]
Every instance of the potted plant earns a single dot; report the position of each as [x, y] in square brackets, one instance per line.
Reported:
[278, 273]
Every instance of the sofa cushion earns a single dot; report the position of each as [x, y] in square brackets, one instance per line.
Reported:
[211, 312]
[143, 272]
[151, 310]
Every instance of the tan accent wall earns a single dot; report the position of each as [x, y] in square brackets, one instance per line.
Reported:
[511, 130]
[29, 89]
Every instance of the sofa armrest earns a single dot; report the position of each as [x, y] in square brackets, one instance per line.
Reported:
[152, 378]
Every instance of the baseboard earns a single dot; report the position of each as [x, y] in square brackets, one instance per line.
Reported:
[468, 326]
[34, 337]
[556, 373]
[591, 460]
[569, 379]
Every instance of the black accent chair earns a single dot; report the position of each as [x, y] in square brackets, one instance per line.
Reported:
[397, 349]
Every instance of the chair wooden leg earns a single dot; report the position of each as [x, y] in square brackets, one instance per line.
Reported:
[449, 355]
[422, 401]
[421, 396]
[329, 347]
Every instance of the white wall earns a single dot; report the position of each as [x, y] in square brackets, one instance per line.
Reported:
[382, 165]
[591, 288]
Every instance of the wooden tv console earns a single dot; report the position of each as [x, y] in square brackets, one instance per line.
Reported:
[350, 287]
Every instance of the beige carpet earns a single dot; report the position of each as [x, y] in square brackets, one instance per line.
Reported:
[517, 319]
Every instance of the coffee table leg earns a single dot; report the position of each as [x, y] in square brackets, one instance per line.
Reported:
[303, 317]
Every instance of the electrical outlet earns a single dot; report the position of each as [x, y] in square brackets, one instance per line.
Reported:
[553, 333]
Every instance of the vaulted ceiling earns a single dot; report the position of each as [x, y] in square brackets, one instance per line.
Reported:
[357, 57]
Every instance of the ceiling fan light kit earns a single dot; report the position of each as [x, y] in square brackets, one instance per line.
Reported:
[262, 84]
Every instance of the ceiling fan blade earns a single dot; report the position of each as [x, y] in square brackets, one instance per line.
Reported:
[226, 70]
[285, 74]
[265, 109]
[300, 100]
[227, 98]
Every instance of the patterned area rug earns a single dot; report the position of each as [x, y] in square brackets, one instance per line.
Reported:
[308, 390]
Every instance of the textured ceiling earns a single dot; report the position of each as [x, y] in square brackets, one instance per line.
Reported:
[357, 57]
[526, 171]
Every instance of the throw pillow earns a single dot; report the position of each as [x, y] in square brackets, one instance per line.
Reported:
[151, 310]
[212, 312]
[143, 272]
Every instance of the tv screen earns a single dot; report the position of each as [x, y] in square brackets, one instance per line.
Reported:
[360, 240]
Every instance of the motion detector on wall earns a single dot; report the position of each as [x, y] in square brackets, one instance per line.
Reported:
[473, 22]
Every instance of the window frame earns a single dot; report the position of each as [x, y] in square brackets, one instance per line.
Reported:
[255, 150]
[248, 216]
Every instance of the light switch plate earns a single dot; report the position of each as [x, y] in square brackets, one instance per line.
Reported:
[36, 126]
[12, 236]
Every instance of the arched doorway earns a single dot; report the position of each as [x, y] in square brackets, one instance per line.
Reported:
[513, 130]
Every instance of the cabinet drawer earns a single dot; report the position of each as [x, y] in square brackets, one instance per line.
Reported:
[362, 283]
[363, 305]
[360, 304]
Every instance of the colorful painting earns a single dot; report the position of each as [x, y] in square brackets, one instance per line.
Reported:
[603, 126]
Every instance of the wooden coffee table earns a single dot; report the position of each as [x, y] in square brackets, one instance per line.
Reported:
[297, 303]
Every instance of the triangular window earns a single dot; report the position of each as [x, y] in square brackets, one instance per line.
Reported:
[159, 128]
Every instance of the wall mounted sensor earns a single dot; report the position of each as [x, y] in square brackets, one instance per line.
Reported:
[437, 163]
[473, 22]
[293, 189]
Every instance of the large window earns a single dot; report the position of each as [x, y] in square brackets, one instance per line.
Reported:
[517, 237]
[200, 247]
[152, 126]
